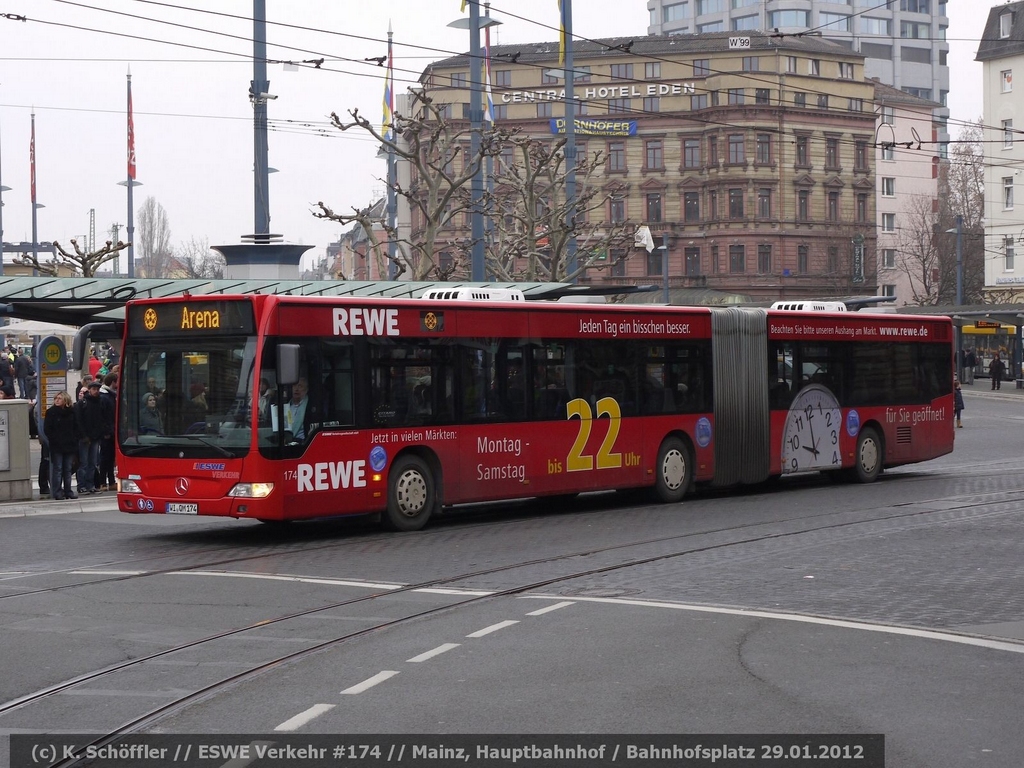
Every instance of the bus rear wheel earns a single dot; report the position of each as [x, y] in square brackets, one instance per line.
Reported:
[673, 471]
[869, 457]
[411, 495]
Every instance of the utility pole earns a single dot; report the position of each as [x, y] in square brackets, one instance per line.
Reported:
[475, 124]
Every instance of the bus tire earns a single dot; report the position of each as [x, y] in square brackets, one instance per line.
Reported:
[869, 457]
[411, 495]
[673, 472]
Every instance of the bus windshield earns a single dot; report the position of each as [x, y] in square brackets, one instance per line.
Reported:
[180, 398]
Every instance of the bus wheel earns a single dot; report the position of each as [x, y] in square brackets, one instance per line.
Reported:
[411, 495]
[868, 464]
[673, 471]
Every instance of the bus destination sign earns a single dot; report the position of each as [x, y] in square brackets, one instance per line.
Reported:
[191, 319]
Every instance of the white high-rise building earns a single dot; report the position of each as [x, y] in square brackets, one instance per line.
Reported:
[904, 41]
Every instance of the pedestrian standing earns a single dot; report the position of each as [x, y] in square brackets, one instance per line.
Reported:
[970, 361]
[958, 402]
[108, 394]
[92, 423]
[995, 370]
[61, 430]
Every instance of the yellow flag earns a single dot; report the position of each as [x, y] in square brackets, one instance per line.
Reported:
[463, 8]
[561, 33]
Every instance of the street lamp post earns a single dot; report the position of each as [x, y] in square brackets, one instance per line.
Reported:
[959, 231]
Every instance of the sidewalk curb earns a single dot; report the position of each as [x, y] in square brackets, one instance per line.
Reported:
[39, 507]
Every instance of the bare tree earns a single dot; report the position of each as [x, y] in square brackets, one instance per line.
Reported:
[534, 222]
[84, 262]
[962, 193]
[154, 239]
[918, 255]
[198, 261]
[437, 150]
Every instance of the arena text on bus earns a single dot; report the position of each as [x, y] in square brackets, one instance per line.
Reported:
[283, 408]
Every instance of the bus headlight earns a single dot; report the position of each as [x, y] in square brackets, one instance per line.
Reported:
[251, 490]
[129, 486]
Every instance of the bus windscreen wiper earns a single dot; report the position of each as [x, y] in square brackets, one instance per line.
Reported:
[204, 441]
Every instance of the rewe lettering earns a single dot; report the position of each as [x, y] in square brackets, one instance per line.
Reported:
[331, 475]
[363, 321]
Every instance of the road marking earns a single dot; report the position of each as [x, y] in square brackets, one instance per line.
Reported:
[106, 573]
[380, 677]
[294, 723]
[550, 608]
[492, 628]
[435, 652]
[926, 634]
[439, 591]
[298, 579]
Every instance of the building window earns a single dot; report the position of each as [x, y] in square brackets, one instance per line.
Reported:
[855, 105]
[860, 155]
[701, 67]
[763, 153]
[751, 63]
[889, 290]
[652, 70]
[444, 111]
[887, 116]
[814, 66]
[713, 204]
[803, 205]
[735, 203]
[916, 6]
[888, 222]
[691, 206]
[1007, 134]
[802, 154]
[745, 22]
[617, 156]
[503, 78]
[710, 6]
[1008, 255]
[674, 12]
[618, 263]
[881, 27]
[621, 71]
[888, 258]
[762, 96]
[617, 209]
[791, 63]
[862, 208]
[1006, 76]
[548, 77]
[912, 30]
[888, 153]
[699, 101]
[653, 200]
[832, 153]
[833, 206]
[822, 101]
[501, 111]
[789, 19]
[654, 153]
[655, 260]
[737, 259]
[692, 261]
[799, 99]
[888, 186]
[617, 106]
[1005, 24]
[737, 154]
[846, 70]
[714, 98]
[764, 203]
[460, 79]
[544, 109]
[764, 259]
[1008, 193]
[652, 104]
[715, 267]
[506, 159]
[691, 153]
[833, 22]
[735, 96]
[713, 150]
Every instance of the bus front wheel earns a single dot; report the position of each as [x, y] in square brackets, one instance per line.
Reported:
[673, 471]
[411, 495]
[869, 456]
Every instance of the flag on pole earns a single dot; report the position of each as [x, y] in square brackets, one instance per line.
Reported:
[387, 128]
[131, 134]
[32, 160]
[561, 30]
[463, 8]
[489, 112]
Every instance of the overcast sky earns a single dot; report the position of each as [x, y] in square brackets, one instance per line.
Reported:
[193, 120]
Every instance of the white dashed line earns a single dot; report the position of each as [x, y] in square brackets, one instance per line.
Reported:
[380, 677]
[294, 723]
[439, 591]
[299, 579]
[435, 652]
[555, 607]
[492, 628]
[107, 573]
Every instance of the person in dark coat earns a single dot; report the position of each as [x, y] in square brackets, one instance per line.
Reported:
[61, 430]
[995, 370]
[90, 413]
[108, 394]
[23, 369]
[958, 402]
[150, 420]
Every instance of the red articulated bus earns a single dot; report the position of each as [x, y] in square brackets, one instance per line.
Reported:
[285, 408]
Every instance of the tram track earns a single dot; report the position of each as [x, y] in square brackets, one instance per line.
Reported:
[921, 508]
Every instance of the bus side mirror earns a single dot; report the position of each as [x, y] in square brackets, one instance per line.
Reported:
[287, 364]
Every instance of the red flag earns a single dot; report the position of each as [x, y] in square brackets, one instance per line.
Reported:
[131, 135]
[32, 160]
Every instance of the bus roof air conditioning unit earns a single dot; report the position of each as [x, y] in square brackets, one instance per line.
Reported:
[810, 306]
[474, 294]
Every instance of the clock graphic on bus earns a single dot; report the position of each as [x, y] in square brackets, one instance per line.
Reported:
[810, 438]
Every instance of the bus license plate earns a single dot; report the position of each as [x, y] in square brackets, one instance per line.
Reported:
[182, 509]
